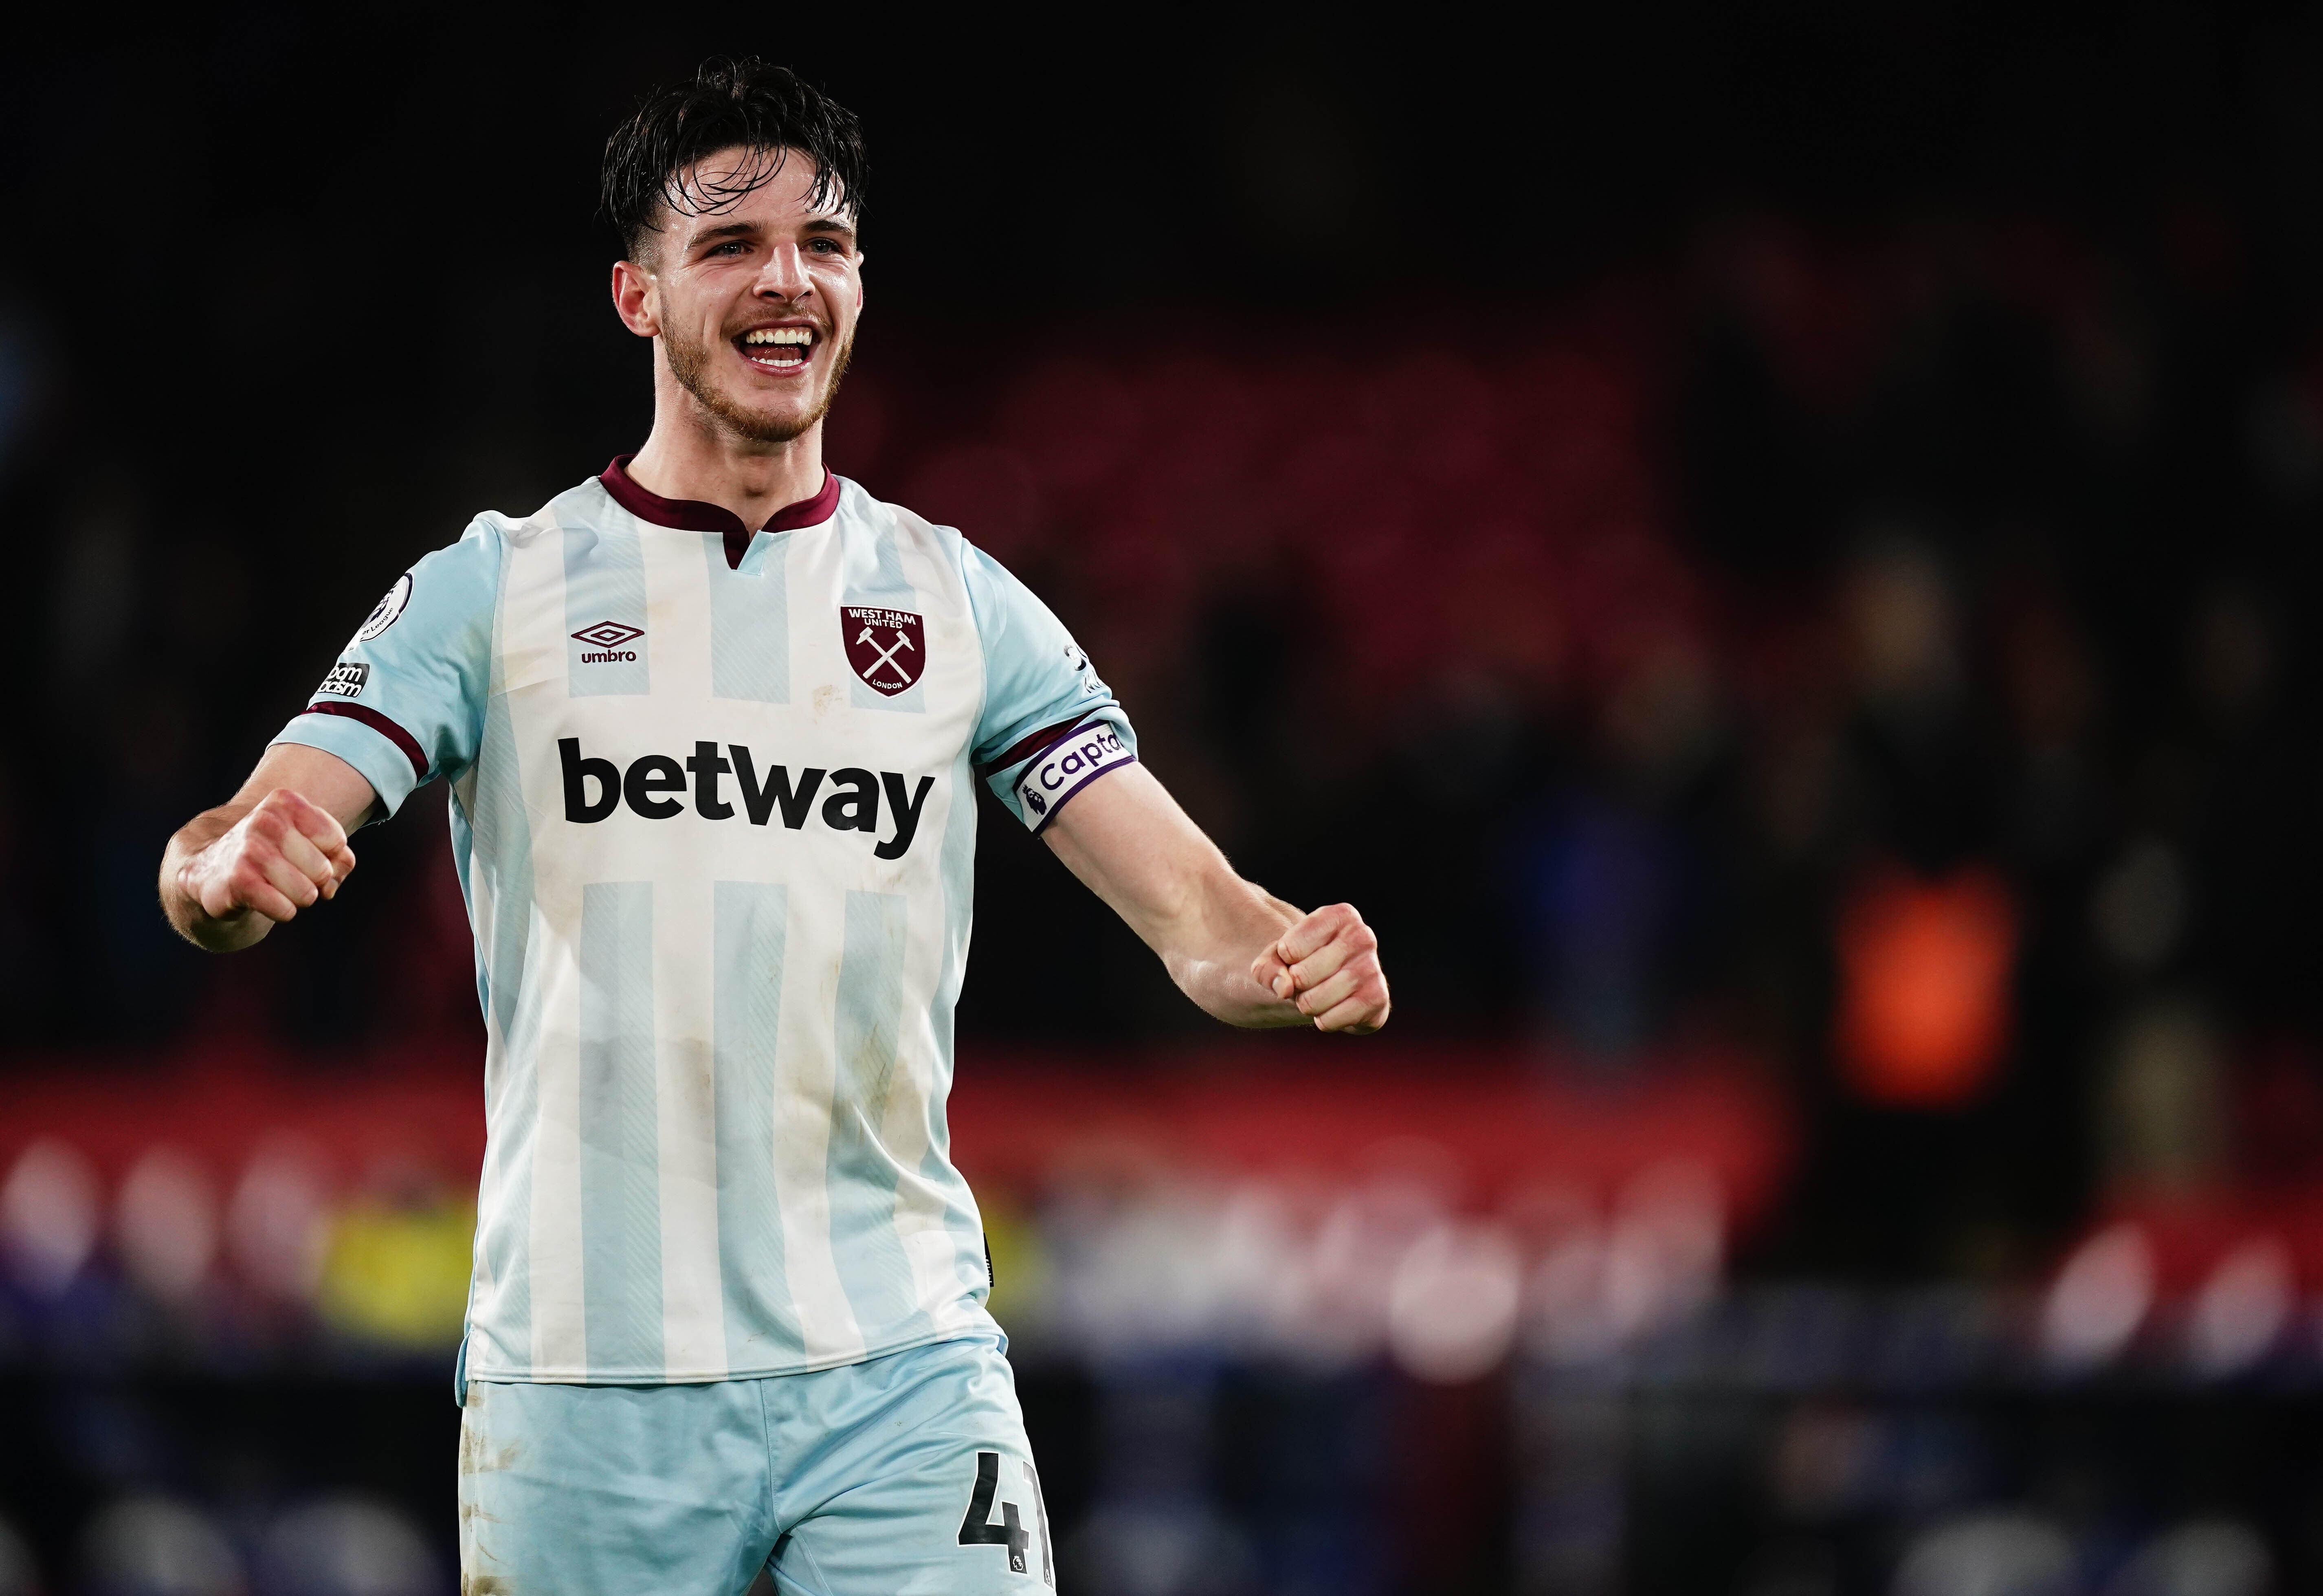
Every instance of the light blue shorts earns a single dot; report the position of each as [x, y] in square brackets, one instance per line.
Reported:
[907, 1473]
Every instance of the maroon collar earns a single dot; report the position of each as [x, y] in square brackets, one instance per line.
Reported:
[693, 514]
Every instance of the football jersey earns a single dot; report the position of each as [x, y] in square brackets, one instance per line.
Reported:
[713, 810]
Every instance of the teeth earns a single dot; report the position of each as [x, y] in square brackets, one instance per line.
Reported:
[779, 336]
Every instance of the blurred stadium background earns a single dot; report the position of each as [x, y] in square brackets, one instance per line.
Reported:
[1770, 551]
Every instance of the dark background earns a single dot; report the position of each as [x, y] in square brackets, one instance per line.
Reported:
[1939, 384]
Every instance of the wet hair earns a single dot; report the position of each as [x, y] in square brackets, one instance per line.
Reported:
[743, 102]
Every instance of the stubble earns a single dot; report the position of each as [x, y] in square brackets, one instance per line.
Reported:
[689, 362]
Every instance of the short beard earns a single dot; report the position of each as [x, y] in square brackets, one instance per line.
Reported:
[689, 362]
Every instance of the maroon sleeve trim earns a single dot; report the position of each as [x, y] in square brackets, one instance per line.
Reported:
[385, 728]
[1032, 743]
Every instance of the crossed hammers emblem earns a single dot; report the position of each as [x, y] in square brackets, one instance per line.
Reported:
[903, 640]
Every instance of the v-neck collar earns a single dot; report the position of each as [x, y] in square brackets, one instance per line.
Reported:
[695, 515]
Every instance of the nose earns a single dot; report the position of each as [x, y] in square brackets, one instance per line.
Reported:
[784, 275]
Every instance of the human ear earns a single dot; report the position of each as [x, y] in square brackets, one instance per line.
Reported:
[635, 301]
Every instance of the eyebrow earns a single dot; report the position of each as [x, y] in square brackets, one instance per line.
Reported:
[729, 230]
[821, 227]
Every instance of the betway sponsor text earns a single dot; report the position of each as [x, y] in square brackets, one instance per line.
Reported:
[653, 785]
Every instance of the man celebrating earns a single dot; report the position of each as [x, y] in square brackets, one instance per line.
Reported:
[710, 721]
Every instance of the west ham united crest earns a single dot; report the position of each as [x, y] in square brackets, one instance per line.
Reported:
[887, 647]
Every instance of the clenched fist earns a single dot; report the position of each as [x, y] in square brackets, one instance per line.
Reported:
[286, 854]
[1328, 965]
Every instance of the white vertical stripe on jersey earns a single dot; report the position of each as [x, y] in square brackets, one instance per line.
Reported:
[805, 1054]
[694, 1320]
[620, 1185]
[761, 1325]
[904, 1125]
[497, 1200]
[806, 1049]
[750, 620]
[493, 835]
[874, 575]
[923, 1210]
[491, 1186]
[870, 1054]
[534, 659]
[970, 1265]
[560, 1340]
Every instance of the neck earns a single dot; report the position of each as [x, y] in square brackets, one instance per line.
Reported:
[692, 454]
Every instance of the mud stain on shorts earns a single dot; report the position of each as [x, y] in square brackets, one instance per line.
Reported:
[478, 1457]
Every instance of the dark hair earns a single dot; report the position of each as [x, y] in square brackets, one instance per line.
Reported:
[744, 102]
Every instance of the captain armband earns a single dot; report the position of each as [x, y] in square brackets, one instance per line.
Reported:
[1069, 766]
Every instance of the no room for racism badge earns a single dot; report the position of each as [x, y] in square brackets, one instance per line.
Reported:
[888, 648]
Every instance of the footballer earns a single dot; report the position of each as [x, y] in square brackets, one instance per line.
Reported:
[711, 722]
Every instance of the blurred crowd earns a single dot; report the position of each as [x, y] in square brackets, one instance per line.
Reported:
[1287, 1379]
[331, 1545]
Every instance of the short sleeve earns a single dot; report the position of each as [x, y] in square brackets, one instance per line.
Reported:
[405, 701]
[1050, 726]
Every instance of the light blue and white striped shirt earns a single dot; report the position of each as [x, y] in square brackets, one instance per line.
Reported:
[713, 820]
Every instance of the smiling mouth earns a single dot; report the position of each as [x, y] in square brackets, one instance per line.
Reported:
[777, 349]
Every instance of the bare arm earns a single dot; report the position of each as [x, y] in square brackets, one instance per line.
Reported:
[1245, 957]
[278, 845]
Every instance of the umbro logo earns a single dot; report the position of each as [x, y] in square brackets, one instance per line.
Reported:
[606, 638]
[608, 634]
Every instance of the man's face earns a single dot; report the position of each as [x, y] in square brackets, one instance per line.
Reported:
[754, 307]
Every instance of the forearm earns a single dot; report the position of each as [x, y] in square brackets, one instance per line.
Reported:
[1209, 949]
[1245, 957]
[1130, 844]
